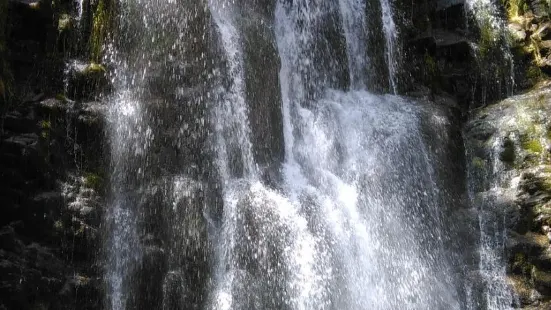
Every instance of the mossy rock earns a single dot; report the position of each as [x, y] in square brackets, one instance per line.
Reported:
[94, 69]
[533, 146]
[87, 81]
[478, 163]
[542, 280]
[94, 181]
[515, 8]
[102, 28]
[520, 264]
[523, 288]
[65, 23]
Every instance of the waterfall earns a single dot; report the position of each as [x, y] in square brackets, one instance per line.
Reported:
[493, 35]
[156, 231]
[390, 34]
[336, 170]
[355, 31]
[488, 192]
[356, 218]
[491, 191]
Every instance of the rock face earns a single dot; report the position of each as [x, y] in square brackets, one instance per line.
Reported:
[509, 145]
[529, 27]
[52, 177]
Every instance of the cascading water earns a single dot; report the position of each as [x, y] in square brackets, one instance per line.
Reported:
[156, 238]
[356, 219]
[491, 203]
[336, 171]
[390, 34]
[494, 190]
[492, 197]
[355, 29]
[493, 36]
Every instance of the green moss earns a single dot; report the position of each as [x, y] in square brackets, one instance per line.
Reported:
[478, 163]
[61, 97]
[44, 124]
[58, 226]
[46, 127]
[64, 23]
[533, 146]
[529, 130]
[521, 265]
[548, 133]
[430, 65]
[487, 40]
[94, 68]
[93, 181]
[533, 74]
[102, 26]
[515, 8]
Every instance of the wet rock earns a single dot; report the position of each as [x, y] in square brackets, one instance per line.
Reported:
[517, 31]
[263, 90]
[86, 81]
[519, 127]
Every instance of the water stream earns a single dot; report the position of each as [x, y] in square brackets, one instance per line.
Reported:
[356, 217]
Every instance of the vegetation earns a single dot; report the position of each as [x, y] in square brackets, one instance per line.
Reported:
[93, 181]
[515, 8]
[479, 162]
[46, 127]
[488, 35]
[533, 146]
[102, 26]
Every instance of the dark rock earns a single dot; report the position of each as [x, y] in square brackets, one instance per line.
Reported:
[86, 81]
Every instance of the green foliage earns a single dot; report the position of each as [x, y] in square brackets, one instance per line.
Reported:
[64, 23]
[487, 41]
[93, 69]
[533, 146]
[93, 181]
[478, 163]
[58, 226]
[515, 8]
[46, 127]
[102, 25]
[61, 97]
[533, 74]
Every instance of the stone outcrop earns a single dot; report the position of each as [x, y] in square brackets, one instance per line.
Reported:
[510, 145]
[52, 161]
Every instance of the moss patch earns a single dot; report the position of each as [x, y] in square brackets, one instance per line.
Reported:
[487, 40]
[515, 8]
[94, 68]
[93, 181]
[533, 146]
[102, 26]
[478, 163]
